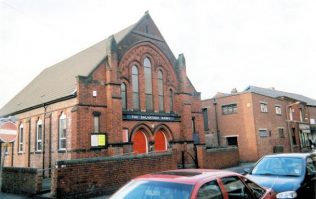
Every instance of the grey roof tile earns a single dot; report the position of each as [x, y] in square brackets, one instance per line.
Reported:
[276, 93]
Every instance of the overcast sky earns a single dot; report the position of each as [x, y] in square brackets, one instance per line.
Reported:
[227, 43]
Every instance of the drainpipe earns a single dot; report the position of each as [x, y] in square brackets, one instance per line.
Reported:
[12, 143]
[50, 146]
[216, 123]
[29, 145]
[43, 140]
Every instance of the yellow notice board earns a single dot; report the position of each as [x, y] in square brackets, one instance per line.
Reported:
[101, 140]
[98, 140]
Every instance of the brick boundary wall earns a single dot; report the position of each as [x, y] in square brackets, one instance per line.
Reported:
[89, 177]
[217, 158]
[21, 180]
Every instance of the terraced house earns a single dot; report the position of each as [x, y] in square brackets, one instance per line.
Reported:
[261, 121]
[125, 94]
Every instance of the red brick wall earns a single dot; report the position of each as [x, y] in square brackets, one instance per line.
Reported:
[217, 158]
[90, 177]
[21, 180]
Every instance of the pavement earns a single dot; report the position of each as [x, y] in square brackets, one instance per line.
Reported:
[238, 169]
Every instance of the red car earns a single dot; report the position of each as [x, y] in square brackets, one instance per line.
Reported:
[191, 184]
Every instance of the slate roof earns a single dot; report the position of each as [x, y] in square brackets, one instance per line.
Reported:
[59, 81]
[276, 93]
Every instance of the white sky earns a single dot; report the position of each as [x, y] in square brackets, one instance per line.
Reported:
[227, 43]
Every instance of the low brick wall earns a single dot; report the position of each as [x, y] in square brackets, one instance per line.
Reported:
[96, 176]
[217, 158]
[21, 180]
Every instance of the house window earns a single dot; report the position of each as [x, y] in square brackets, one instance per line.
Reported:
[278, 110]
[281, 133]
[171, 100]
[135, 88]
[205, 119]
[96, 122]
[124, 96]
[160, 91]
[62, 132]
[39, 135]
[263, 133]
[264, 107]
[229, 109]
[148, 85]
[232, 141]
[21, 135]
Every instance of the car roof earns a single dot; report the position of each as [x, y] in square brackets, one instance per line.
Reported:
[186, 176]
[292, 155]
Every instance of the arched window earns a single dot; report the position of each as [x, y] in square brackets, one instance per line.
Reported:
[124, 96]
[135, 88]
[148, 85]
[62, 135]
[39, 135]
[21, 135]
[160, 91]
[171, 100]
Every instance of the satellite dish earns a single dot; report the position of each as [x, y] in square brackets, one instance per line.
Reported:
[8, 131]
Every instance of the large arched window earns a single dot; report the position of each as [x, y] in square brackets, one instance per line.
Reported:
[171, 100]
[124, 96]
[148, 85]
[62, 135]
[160, 91]
[39, 135]
[135, 88]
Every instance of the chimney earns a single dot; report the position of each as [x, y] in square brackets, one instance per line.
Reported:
[234, 91]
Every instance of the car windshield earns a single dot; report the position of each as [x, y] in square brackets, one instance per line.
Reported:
[153, 189]
[280, 166]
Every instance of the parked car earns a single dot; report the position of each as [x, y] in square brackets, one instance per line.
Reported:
[286, 173]
[193, 184]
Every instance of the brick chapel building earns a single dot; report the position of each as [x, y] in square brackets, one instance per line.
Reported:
[260, 121]
[125, 94]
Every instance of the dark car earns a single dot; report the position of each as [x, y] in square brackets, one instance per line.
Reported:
[192, 184]
[285, 173]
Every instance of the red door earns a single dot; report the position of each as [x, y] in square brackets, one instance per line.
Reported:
[160, 141]
[139, 143]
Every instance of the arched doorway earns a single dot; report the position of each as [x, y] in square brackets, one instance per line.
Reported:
[160, 141]
[140, 143]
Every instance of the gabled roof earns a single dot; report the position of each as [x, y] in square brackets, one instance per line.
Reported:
[270, 92]
[59, 81]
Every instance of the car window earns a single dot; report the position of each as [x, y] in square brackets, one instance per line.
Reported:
[285, 166]
[153, 190]
[210, 190]
[257, 191]
[310, 166]
[235, 188]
